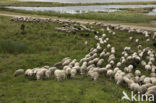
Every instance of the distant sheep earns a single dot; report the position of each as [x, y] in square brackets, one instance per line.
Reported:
[19, 72]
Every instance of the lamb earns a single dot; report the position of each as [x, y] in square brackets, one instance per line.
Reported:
[60, 74]
[19, 72]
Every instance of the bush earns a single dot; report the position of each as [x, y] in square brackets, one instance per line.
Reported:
[9, 46]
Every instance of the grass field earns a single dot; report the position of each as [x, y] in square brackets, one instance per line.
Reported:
[52, 4]
[41, 45]
[127, 15]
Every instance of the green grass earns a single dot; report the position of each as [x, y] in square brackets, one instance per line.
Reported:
[48, 47]
[52, 4]
[126, 16]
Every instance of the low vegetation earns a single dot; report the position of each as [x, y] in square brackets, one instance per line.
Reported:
[45, 47]
[128, 15]
[53, 4]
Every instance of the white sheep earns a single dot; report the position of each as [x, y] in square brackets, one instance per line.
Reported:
[40, 75]
[94, 75]
[48, 73]
[118, 64]
[110, 73]
[147, 80]
[29, 72]
[100, 62]
[19, 72]
[68, 72]
[60, 74]
[135, 87]
[138, 73]
[130, 38]
[148, 67]
[153, 80]
[73, 73]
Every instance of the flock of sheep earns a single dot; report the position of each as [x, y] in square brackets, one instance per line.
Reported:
[123, 72]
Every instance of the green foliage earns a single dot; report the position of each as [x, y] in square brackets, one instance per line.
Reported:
[8, 46]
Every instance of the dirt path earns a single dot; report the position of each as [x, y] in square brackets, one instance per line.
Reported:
[80, 20]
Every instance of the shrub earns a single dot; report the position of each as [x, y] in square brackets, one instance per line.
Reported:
[9, 46]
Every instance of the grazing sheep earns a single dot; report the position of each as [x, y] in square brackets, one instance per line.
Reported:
[68, 72]
[19, 72]
[130, 38]
[137, 73]
[94, 75]
[73, 73]
[40, 75]
[153, 74]
[110, 73]
[144, 87]
[86, 43]
[29, 72]
[118, 64]
[52, 69]
[153, 80]
[135, 87]
[60, 74]
[143, 63]
[148, 67]
[99, 63]
[137, 41]
[137, 79]
[147, 80]
[48, 74]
